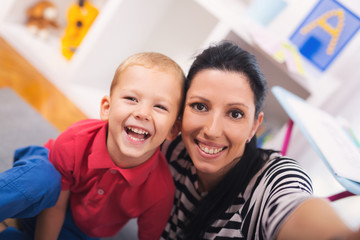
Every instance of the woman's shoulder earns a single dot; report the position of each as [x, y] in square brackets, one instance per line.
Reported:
[279, 171]
[276, 190]
[279, 163]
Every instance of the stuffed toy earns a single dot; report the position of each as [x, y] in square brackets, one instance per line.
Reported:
[41, 19]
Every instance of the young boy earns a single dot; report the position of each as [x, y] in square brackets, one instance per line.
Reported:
[111, 168]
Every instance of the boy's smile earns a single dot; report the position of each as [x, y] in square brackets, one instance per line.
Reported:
[141, 111]
[137, 134]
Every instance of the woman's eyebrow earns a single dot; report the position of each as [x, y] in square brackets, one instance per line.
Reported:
[237, 104]
[200, 98]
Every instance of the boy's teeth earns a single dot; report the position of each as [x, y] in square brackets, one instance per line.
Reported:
[138, 131]
[137, 139]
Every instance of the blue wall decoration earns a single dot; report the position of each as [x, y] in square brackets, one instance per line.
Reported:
[325, 32]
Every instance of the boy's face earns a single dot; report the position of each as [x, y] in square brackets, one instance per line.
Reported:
[141, 111]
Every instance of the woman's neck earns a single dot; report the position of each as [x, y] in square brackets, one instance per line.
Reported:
[208, 181]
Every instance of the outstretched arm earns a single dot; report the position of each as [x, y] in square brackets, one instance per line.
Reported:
[50, 221]
[316, 219]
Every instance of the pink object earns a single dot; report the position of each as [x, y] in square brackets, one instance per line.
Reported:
[340, 195]
[290, 125]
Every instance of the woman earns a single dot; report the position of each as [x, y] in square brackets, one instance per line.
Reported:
[225, 186]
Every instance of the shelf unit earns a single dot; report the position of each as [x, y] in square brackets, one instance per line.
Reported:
[178, 29]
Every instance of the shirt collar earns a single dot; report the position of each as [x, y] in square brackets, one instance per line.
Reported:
[99, 158]
[137, 175]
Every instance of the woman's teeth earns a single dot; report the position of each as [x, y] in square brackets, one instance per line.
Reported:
[211, 150]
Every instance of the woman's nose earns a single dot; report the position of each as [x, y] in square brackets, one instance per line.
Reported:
[213, 126]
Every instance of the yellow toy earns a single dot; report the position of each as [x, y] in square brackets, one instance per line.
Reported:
[80, 17]
[41, 18]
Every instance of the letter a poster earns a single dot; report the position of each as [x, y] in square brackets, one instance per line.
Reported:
[325, 32]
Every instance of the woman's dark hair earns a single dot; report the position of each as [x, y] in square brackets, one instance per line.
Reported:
[227, 56]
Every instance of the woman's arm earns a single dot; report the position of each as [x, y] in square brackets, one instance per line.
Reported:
[315, 219]
[50, 221]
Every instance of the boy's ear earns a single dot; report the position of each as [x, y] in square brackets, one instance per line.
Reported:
[174, 131]
[105, 108]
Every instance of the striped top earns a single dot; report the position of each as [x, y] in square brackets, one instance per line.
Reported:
[272, 194]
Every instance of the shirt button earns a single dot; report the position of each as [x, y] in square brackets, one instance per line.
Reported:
[113, 171]
[100, 191]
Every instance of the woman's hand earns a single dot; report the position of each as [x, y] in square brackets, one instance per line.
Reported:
[354, 235]
[316, 219]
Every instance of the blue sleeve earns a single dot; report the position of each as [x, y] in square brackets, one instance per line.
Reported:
[31, 185]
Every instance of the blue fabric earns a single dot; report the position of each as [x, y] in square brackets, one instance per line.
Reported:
[31, 185]
[68, 231]
[11, 233]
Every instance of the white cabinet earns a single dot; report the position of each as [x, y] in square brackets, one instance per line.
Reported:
[177, 28]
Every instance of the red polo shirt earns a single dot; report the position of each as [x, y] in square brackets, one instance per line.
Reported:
[103, 196]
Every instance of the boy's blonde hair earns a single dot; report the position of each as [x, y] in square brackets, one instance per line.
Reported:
[151, 60]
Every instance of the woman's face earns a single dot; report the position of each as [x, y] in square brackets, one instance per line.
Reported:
[219, 117]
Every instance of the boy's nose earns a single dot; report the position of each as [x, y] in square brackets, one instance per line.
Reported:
[143, 113]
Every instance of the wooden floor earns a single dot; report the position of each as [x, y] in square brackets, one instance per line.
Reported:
[24, 79]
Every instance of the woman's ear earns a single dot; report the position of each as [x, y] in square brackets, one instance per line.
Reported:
[105, 108]
[174, 131]
[257, 123]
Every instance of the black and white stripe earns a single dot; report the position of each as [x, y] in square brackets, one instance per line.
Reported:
[272, 194]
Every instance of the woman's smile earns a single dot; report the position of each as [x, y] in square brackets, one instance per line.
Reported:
[208, 149]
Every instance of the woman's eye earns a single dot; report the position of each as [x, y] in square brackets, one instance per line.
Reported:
[236, 114]
[199, 107]
[161, 107]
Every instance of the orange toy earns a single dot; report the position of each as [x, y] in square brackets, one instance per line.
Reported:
[80, 17]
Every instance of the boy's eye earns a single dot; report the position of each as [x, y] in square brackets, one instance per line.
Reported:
[236, 114]
[198, 107]
[131, 99]
[161, 107]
